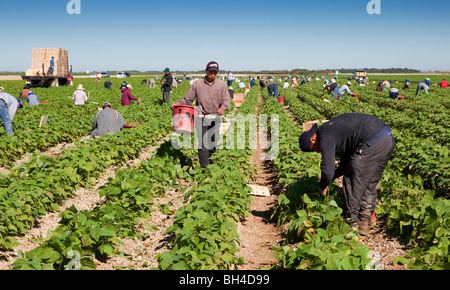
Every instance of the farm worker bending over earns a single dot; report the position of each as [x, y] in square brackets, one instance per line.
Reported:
[273, 89]
[8, 108]
[364, 144]
[341, 91]
[151, 83]
[127, 96]
[422, 86]
[380, 87]
[27, 94]
[394, 94]
[444, 84]
[107, 85]
[166, 85]
[214, 99]
[230, 79]
[263, 83]
[107, 121]
[407, 84]
[331, 86]
[79, 96]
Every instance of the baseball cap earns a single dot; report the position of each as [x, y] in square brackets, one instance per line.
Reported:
[305, 139]
[212, 65]
[106, 104]
[166, 69]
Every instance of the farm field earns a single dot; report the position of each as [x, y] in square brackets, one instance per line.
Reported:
[131, 201]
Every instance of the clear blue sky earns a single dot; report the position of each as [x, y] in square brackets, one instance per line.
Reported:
[240, 35]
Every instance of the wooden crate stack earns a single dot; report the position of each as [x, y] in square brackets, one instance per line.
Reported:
[40, 62]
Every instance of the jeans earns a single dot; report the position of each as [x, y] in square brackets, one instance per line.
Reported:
[7, 123]
[273, 90]
[421, 86]
[336, 91]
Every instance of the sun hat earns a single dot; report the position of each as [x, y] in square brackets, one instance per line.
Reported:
[130, 87]
[305, 139]
[80, 87]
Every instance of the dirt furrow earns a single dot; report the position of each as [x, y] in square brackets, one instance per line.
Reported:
[83, 199]
[258, 232]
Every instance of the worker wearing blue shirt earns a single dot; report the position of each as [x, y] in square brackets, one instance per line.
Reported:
[52, 65]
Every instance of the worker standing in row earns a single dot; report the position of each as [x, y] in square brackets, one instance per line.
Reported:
[166, 85]
[213, 98]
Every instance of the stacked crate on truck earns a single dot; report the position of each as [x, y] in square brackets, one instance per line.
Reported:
[39, 74]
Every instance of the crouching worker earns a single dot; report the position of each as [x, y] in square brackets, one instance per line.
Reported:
[395, 95]
[364, 144]
[107, 121]
[8, 108]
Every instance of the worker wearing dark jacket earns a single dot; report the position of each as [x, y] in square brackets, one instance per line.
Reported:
[166, 85]
[364, 145]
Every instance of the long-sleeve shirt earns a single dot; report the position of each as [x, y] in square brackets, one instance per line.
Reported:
[107, 121]
[210, 97]
[79, 97]
[11, 103]
[168, 81]
[127, 96]
[341, 136]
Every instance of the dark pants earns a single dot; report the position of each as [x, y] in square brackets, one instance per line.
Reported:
[166, 96]
[362, 176]
[208, 131]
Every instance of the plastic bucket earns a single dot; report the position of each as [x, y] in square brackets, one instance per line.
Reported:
[183, 119]
[281, 99]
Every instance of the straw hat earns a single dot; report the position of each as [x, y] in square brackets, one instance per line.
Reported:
[80, 87]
